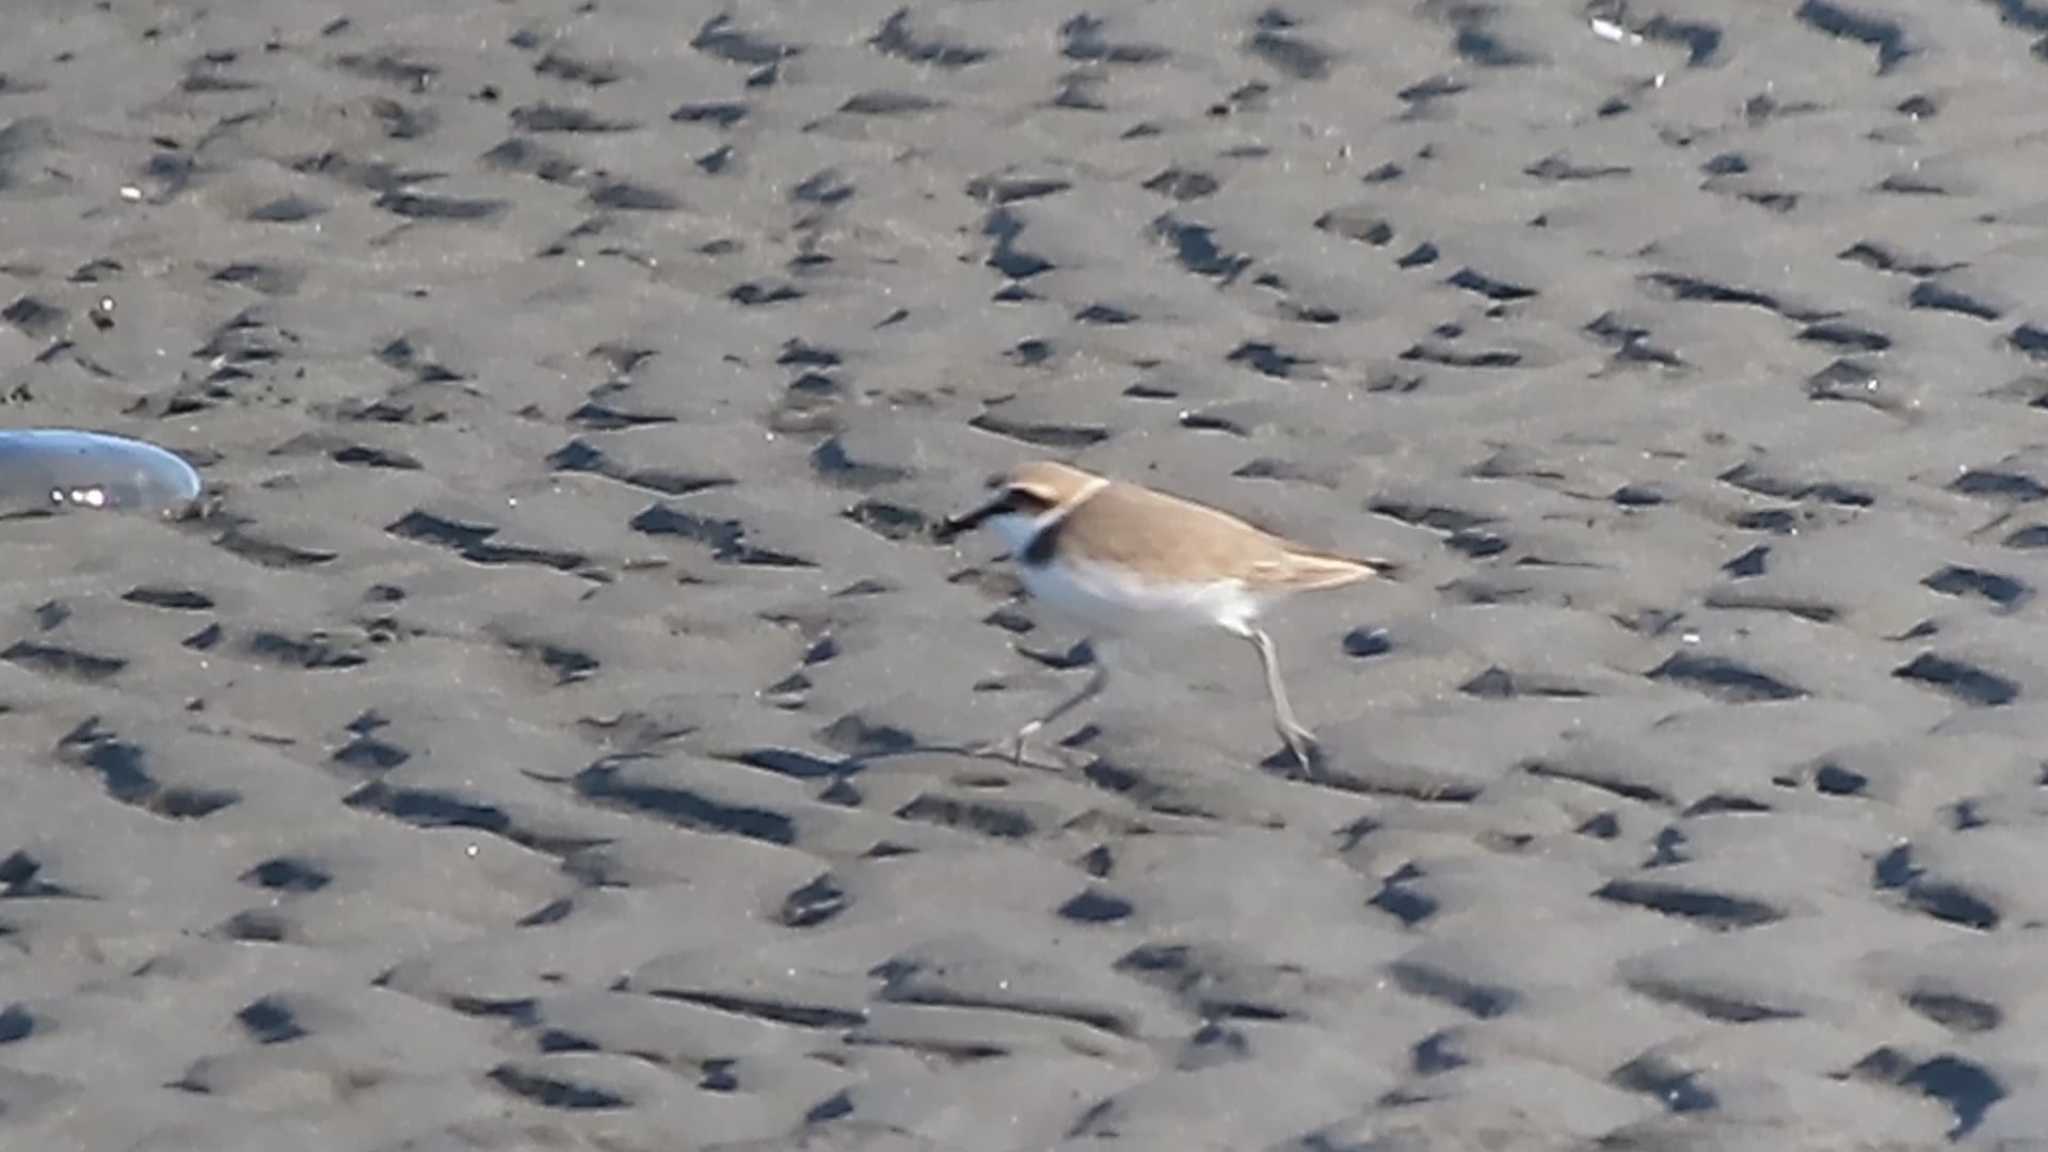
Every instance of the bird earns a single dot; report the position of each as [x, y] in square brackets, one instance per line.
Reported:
[1116, 557]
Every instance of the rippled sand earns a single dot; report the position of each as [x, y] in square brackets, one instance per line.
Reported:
[546, 742]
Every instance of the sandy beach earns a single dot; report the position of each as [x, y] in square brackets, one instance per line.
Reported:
[552, 735]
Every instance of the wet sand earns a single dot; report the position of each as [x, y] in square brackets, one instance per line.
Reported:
[550, 738]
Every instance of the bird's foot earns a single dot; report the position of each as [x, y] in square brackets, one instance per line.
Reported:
[1308, 754]
[1014, 749]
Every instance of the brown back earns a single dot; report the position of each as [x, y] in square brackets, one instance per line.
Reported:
[1179, 540]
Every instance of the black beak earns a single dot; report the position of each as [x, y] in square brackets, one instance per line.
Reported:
[952, 526]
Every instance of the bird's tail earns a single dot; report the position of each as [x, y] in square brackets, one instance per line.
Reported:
[1312, 570]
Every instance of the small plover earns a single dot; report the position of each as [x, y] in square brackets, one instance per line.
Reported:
[1115, 557]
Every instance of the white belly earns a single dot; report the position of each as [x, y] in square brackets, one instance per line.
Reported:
[1110, 600]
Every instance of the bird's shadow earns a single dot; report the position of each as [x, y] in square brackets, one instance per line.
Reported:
[1100, 770]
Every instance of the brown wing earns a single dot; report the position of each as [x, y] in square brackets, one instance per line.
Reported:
[1180, 540]
[1308, 571]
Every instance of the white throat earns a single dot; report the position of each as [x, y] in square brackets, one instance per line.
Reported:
[1015, 529]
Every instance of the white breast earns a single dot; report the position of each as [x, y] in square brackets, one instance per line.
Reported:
[1109, 599]
[1113, 600]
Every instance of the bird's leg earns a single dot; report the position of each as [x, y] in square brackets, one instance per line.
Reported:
[1013, 748]
[1299, 740]
[1097, 681]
